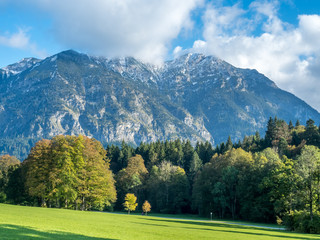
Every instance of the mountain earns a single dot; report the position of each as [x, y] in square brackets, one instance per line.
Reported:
[196, 97]
[18, 67]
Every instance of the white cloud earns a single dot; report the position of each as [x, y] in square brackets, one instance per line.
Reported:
[20, 40]
[288, 55]
[177, 51]
[139, 28]
[15, 40]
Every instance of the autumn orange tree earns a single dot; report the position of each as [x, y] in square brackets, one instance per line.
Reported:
[146, 207]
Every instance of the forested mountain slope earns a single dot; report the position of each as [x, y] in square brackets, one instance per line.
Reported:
[194, 97]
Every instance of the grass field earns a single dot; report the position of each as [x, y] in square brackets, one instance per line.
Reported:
[17, 222]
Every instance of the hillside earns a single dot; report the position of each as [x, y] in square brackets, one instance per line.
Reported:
[194, 97]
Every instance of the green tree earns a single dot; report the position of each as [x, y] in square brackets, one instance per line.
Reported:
[130, 202]
[7, 165]
[291, 125]
[229, 144]
[15, 190]
[311, 135]
[282, 146]
[308, 169]
[113, 153]
[133, 175]
[152, 156]
[168, 188]
[283, 182]
[37, 167]
[188, 152]
[132, 178]
[126, 152]
[98, 184]
[70, 170]
[195, 166]
[204, 151]
[63, 172]
[222, 185]
[270, 133]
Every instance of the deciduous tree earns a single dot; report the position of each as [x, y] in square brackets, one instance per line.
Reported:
[130, 202]
[146, 207]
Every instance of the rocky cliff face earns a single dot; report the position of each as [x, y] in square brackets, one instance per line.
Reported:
[194, 97]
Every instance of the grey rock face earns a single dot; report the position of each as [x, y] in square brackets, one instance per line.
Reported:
[194, 97]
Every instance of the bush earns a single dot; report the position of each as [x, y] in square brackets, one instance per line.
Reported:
[300, 221]
[3, 197]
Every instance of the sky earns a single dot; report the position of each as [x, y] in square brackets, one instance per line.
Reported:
[279, 38]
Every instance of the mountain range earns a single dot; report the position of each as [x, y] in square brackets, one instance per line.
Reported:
[195, 97]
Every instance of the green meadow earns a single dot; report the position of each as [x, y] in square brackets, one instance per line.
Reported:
[18, 222]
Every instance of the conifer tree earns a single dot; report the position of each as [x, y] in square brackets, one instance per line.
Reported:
[229, 144]
[291, 125]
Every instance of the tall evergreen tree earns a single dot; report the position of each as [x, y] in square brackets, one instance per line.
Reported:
[195, 166]
[270, 133]
[291, 125]
[229, 144]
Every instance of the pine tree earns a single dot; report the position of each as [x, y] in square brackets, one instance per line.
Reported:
[270, 133]
[229, 144]
[195, 166]
[187, 154]
[291, 125]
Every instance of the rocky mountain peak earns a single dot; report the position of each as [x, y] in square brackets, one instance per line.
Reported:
[22, 65]
[195, 97]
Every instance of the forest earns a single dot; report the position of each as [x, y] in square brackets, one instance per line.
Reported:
[275, 178]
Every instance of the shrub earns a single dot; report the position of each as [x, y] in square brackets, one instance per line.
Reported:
[300, 221]
[3, 197]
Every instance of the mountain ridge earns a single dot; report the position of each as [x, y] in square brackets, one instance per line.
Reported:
[196, 97]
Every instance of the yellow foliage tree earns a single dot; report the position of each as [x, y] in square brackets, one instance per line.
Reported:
[130, 202]
[146, 207]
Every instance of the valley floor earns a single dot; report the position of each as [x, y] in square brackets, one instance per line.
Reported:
[18, 222]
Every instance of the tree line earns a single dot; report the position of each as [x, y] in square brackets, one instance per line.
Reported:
[274, 178]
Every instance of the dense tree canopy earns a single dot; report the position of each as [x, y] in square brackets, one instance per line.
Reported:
[258, 178]
[70, 170]
[7, 165]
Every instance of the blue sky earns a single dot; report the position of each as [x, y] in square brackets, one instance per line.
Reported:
[279, 38]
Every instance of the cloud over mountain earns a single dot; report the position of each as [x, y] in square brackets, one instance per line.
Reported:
[142, 29]
[255, 35]
[257, 38]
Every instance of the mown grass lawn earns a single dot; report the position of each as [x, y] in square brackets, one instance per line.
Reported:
[18, 222]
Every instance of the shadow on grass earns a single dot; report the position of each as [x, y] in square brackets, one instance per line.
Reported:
[239, 229]
[8, 231]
